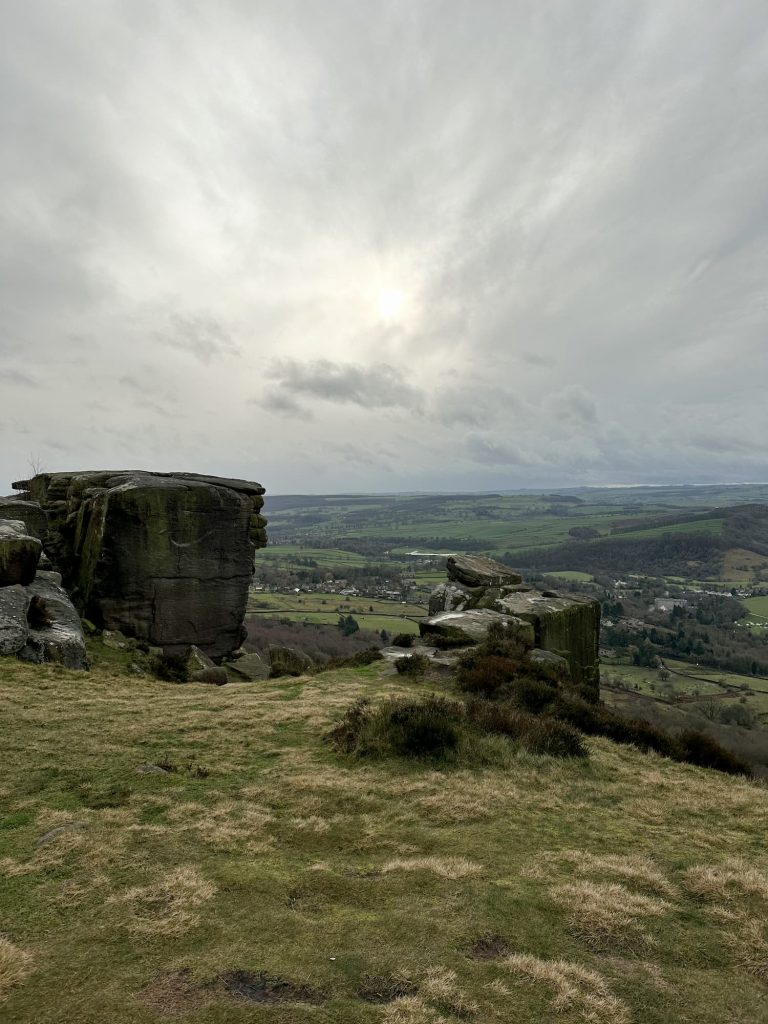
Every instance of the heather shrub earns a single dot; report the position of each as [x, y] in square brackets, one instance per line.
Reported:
[532, 694]
[412, 665]
[403, 640]
[488, 675]
[697, 748]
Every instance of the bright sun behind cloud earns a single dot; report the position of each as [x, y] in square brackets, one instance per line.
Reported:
[390, 304]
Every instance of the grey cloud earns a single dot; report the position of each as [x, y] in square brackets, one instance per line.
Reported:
[284, 405]
[200, 336]
[378, 386]
[573, 206]
[18, 377]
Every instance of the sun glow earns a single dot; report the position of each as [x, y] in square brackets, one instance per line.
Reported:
[390, 304]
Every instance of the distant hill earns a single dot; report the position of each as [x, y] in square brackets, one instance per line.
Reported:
[699, 546]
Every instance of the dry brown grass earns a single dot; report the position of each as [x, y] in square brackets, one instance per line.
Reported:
[445, 867]
[575, 988]
[724, 883]
[749, 945]
[15, 965]
[606, 914]
[411, 1010]
[441, 988]
[640, 870]
[166, 906]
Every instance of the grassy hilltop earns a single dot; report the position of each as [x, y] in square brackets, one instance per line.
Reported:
[196, 854]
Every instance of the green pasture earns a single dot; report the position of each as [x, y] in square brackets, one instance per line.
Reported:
[572, 575]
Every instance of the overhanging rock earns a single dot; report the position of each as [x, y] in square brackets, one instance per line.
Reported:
[481, 592]
[163, 557]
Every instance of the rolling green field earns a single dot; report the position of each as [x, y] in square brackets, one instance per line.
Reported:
[200, 855]
[689, 680]
[370, 613]
[393, 526]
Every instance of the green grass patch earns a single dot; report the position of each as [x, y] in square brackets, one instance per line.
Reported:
[288, 870]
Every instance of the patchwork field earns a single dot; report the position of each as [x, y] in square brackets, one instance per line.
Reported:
[369, 613]
[199, 854]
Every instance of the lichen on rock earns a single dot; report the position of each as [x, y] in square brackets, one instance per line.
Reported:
[166, 558]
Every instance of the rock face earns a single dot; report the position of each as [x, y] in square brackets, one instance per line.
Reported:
[28, 512]
[39, 623]
[564, 628]
[19, 553]
[166, 558]
[55, 633]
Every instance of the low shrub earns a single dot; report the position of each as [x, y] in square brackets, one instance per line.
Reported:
[503, 640]
[532, 694]
[689, 746]
[173, 668]
[535, 734]
[428, 728]
[486, 674]
[358, 660]
[697, 748]
[412, 665]
[346, 735]
[445, 731]
[557, 739]
[403, 640]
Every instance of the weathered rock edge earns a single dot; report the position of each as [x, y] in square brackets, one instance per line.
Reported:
[566, 625]
[166, 558]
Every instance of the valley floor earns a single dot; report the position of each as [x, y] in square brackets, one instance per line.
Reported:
[199, 854]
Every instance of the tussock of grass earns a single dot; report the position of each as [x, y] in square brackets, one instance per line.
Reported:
[749, 945]
[445, 867]
[575, 988]
[605, 914]
[723, 883]
[441, 988]
[166, 906]
[15, 964]
[642, 871]
[411, 1010]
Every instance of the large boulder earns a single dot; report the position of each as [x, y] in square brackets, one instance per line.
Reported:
[165, 558]
[14, 628]
[19, 553]
[249, 668]
[28, 512]
[471, 627]
[287, 661]
[479, 571]
[55, 632]
[566, 624]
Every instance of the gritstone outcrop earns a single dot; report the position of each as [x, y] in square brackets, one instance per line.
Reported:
[166, 558]
[480, 592]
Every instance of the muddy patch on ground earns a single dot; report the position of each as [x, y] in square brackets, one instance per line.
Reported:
[254, 987]
[385, 988]
[489, 947]
[174, 993]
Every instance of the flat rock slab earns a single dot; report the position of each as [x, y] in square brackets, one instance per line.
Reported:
[248, 668]
[478, 571]
[471, 627]
[19, 553]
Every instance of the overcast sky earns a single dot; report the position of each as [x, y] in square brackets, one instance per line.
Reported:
[355, 245]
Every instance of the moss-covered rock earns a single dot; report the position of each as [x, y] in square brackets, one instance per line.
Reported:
[19, 554]
[166, 558]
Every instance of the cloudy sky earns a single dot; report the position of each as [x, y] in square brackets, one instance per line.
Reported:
[411, 244]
